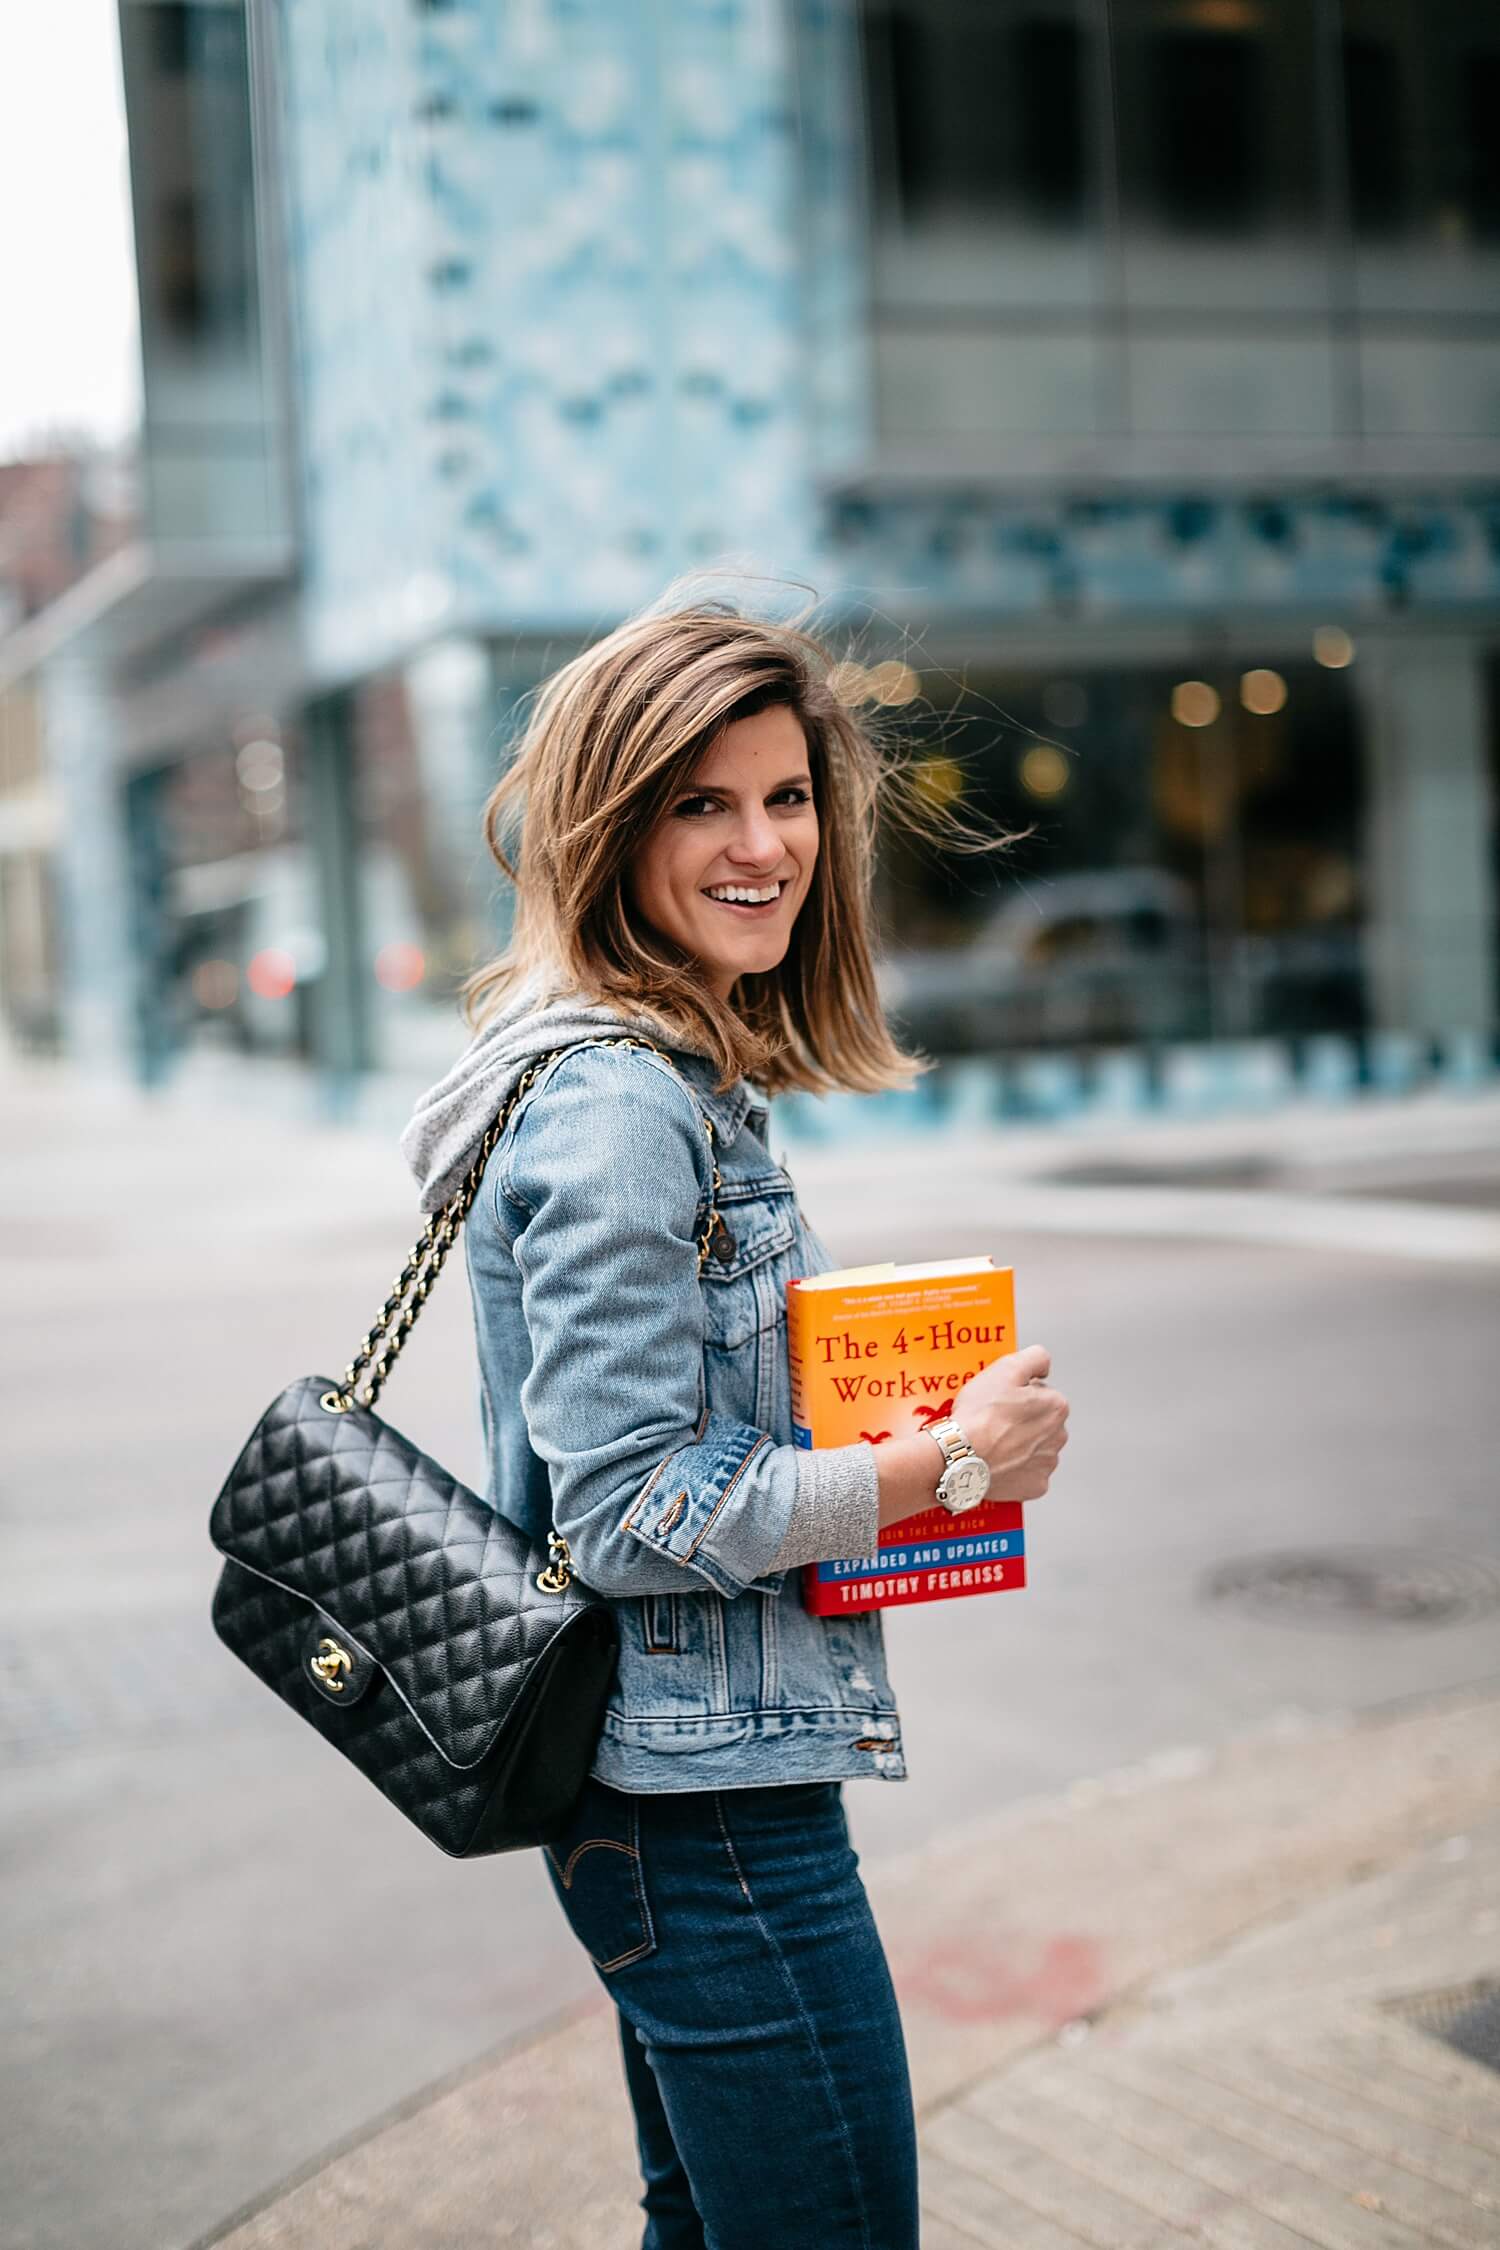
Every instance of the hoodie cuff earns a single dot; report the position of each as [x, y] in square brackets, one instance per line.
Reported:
[836, 1510]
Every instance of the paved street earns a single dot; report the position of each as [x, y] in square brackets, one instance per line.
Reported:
[1254, 2006]
[226, 1954]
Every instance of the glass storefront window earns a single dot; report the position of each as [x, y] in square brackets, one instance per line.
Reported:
[1180, 880]
[1225, 269]
[979, 110]
[988, 236]
[1210, 218]
[222, 845]
[1420, 90]
[428, 743]
[213, 435]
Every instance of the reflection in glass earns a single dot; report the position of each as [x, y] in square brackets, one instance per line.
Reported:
[986, 181]
[1194, 875]
[1215, 218]
[240, 937]
[978, 112]
[212, 437]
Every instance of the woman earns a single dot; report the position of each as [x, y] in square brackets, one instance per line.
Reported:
[694, 874]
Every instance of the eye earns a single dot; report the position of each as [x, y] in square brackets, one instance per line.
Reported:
[686, 806]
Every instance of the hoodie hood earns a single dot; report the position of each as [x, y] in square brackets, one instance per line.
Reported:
[451, 1119]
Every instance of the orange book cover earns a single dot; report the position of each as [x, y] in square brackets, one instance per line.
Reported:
[882, 1351]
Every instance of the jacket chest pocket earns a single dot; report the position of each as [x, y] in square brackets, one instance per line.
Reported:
[744, 1275]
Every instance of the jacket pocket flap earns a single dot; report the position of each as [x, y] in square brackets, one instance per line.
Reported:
[759, 1218]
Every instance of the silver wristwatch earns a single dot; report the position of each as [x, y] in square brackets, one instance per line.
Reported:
[966, 1479]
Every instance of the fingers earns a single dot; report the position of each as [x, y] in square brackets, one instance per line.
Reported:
[1052, 1404]
[1033, 1364]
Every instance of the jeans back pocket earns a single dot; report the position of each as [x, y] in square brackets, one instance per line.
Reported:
[595, 1869]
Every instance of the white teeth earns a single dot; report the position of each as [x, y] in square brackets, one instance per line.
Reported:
[745, 896]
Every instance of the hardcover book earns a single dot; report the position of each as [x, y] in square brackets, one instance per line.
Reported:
[880, 1352]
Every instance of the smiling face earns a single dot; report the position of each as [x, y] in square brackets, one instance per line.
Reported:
[745, 822]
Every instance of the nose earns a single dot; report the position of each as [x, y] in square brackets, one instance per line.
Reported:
[756, 846]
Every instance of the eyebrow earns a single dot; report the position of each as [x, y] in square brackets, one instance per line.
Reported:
[716, 789]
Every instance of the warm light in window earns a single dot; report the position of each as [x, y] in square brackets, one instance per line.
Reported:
[1044, 770]
[895, 683]
[215, 984]
[1262, 692]
[1224, 15]
[939, 780]
[850, 683]
[1195, 703]
[400, 968]
[272, 973]
[1333, 647]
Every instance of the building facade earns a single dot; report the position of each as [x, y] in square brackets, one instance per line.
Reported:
[1124, 375]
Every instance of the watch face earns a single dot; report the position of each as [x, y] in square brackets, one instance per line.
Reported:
[964, 1484]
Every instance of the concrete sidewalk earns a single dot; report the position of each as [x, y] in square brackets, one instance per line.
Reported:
[1195, 2002]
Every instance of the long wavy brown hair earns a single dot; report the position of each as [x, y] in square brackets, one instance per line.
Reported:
[611, 739]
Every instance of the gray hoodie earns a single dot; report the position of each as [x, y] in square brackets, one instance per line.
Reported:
[452, 1117]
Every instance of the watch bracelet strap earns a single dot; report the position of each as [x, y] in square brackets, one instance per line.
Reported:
[953, 1445]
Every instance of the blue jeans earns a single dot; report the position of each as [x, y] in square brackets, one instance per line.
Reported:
[763, 2048]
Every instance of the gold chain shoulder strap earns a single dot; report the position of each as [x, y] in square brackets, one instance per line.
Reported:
[364, 1377]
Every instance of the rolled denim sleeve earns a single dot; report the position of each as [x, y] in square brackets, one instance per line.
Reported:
[607, 1174]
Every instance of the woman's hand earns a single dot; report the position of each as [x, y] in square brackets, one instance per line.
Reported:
[1010, 1415]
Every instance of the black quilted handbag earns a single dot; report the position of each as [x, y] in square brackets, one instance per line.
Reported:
[460, 1669]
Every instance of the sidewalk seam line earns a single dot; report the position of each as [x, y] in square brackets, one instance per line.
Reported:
[1228, 2133]
[1008, 2187]
[1195, 2179]
[1199, 2179]
[1268, 2100]
[1412, 2114]
[1069, 2226]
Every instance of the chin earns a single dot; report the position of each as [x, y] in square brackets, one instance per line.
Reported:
[744, 965]
[759, 953]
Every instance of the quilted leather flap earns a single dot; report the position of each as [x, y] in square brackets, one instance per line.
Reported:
[424, 1576]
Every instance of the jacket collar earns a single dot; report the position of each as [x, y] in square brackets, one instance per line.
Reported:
[728, 1110]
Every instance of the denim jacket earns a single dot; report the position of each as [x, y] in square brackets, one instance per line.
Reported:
[646, 1412]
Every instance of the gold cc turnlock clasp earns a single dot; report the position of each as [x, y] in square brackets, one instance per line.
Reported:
[329, 1662]
[558, 1575]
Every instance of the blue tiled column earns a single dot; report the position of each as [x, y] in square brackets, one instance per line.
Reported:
[555, 336]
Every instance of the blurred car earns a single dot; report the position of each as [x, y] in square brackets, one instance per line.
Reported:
[1111, 956]
[1308, 980]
